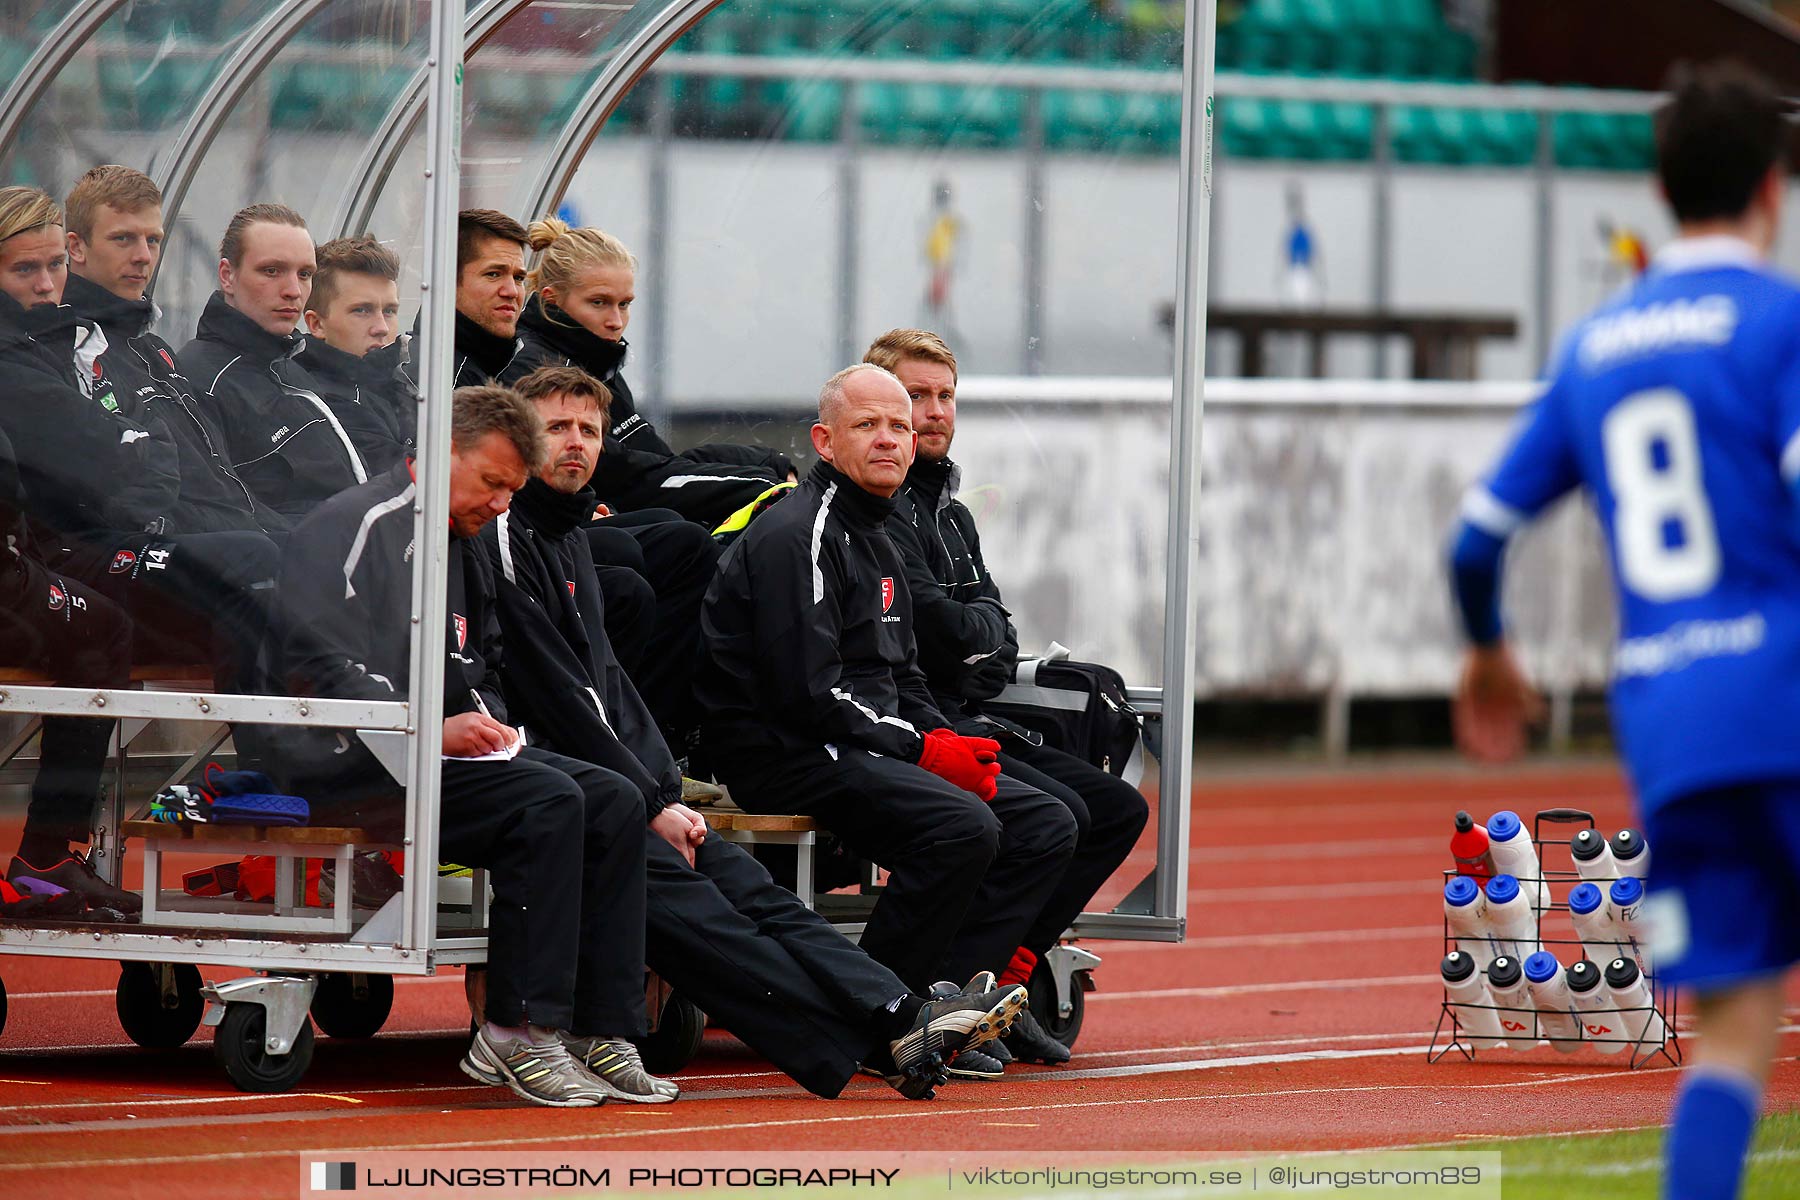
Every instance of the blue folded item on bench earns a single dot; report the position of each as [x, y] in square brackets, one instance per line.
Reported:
[248, 798]
[259, 808]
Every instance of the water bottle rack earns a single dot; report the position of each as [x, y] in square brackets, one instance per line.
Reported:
[1663, 997]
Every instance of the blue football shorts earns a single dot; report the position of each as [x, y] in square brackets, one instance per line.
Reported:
[1723, 898]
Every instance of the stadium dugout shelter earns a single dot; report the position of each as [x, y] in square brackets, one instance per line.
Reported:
[391, 117]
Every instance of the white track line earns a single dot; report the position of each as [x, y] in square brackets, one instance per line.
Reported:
[1257, 989]
[1370, 847]
[1298, 938]
[1294, 892]
[911, 1113]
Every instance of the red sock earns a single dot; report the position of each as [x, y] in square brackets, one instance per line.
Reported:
[1019, 969]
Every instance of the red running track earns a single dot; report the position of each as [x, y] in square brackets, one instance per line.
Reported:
[1295, 1017]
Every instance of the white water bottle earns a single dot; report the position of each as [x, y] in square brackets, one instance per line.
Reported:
[1593, 857]
[1636, 1007]
[1550, 995]
[1506, 984]
[1510, 917]
[1631, 853]
[1601, 1026]
[1471, 1005]
[1465, 911]
[1514, 855]
[1624, 903]
[1587, 912]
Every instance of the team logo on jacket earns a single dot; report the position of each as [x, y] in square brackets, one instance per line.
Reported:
[166, 357]
[887, 592]
[122, 562]
[57, 598]
[571, 584]
[462, 629]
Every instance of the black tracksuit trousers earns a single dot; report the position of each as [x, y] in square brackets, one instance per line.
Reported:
[967, 881]
[765, 966]
[81, 640]
[1109, 815]
[563, 843]
[211, 593]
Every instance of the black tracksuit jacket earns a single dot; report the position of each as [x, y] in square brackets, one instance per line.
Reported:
[637, 457]
[808, 631]
[372, 396]
[152, 391]
[563, 682]
[84, 466]
[346, 603]
[284, 441]
[967, 643]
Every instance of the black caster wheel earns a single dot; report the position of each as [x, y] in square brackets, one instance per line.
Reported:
[1064, 1027]
[149, 1017]
[239, 1047]
[676, 1039]
[352, 1006]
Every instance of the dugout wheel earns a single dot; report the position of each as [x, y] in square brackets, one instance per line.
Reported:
[159, 1004]
[1065, 1027]
[352, 1005]
[240, 1046]
[676, 1039]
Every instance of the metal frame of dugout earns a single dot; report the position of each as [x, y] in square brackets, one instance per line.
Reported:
[264, 1038]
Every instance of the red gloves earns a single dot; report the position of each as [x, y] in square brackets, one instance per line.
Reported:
[971, 763]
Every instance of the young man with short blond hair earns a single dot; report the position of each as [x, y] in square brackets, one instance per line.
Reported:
[355, 351]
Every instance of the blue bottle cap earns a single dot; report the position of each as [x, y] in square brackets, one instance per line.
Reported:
[1584, 898]
[1503, 826]
[1502, 889]
[1628, 890]
[1461, 891]
[1541, 967]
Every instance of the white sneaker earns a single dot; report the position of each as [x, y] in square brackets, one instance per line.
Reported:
[615, 1065]
[542, 1073]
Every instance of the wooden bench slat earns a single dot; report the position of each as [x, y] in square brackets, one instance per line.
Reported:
[761, 822]
[285, 835]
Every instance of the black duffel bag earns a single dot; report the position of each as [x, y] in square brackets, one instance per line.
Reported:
[1078, 707]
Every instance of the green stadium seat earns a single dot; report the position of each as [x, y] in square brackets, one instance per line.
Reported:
[1079, 120]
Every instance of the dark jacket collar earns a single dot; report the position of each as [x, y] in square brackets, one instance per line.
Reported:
[54, 326]
[121, 318]
[373, 369]
[489, 352]
[592, 353]
[934, 480]
[863, 508]
[220, 322]
[552, 513]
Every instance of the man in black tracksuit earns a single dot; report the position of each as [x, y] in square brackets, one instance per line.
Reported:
[814, 703]
[721, 932]
[562, 839]
[968, 648]
[151, 389]
[372, 397]
[283, 440]
[103, 495]
[653, 566]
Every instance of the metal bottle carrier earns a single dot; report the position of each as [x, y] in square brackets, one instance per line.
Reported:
[1449, 1034]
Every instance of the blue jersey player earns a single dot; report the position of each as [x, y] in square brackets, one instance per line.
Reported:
[1677, 407]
